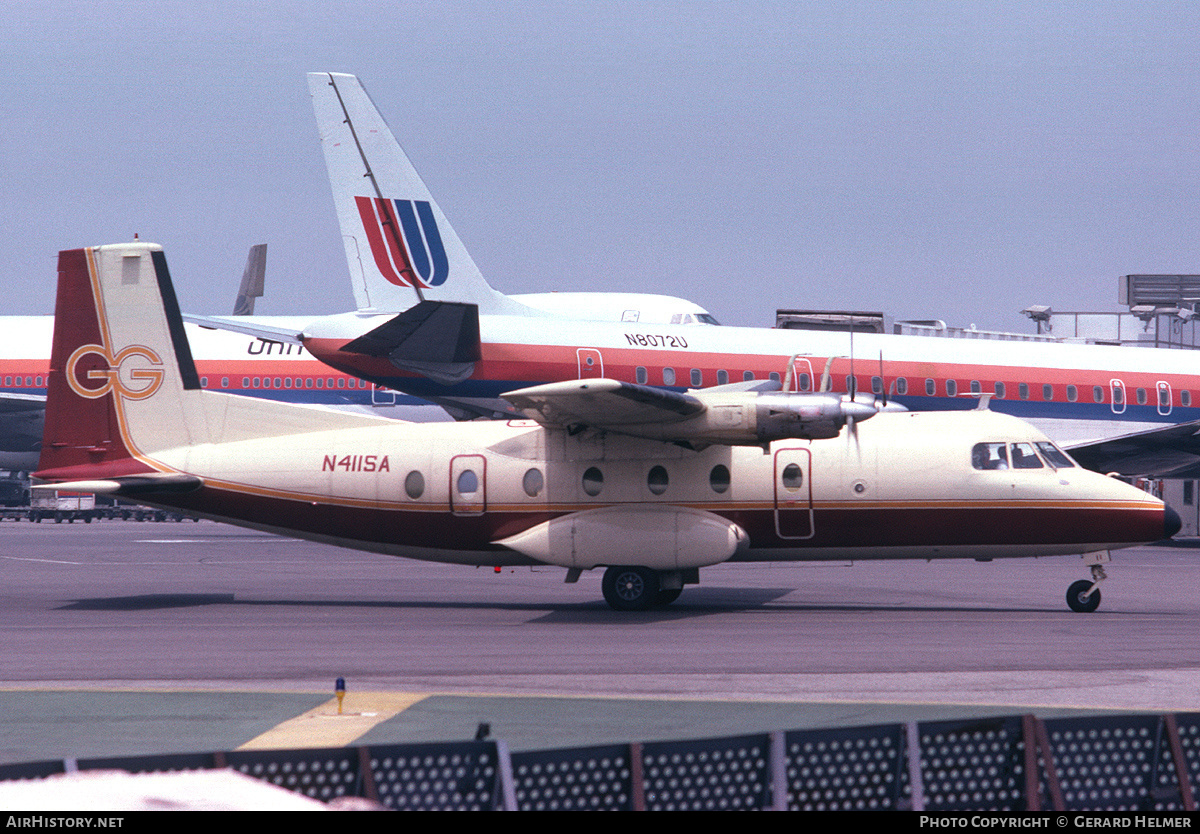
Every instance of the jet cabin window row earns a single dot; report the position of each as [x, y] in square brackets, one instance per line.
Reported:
[1114, 393]
[641, 375]
[292, 382]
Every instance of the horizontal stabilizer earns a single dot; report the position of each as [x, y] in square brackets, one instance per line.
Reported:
[130, 485]
[239, 324]
[432, 331]
[16, 403]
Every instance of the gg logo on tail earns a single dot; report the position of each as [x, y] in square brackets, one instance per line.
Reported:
[143, 381]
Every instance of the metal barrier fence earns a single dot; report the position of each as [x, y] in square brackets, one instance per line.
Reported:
[1016, 763]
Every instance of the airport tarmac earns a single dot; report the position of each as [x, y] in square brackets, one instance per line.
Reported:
[121, 638]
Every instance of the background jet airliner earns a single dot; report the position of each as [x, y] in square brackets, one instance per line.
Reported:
[464, 344]
[127, 415]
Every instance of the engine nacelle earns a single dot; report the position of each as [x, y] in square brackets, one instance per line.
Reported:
[780, 415]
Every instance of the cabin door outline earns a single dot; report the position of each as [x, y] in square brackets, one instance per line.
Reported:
[793, 495]
[591, 363]
[468, 484]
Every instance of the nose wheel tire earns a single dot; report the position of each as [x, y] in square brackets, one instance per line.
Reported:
[630, 588]
[1076, 599]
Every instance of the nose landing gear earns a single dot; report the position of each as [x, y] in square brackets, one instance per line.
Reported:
[1084, 596]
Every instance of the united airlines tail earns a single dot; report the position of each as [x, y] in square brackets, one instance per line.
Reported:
[400, 248]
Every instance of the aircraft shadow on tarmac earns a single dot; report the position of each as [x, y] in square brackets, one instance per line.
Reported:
[696, 602]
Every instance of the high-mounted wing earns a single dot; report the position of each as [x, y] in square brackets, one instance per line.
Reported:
[603, 404]
[726, 415]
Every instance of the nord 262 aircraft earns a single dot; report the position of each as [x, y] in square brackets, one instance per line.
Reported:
[430, 325]
[673, 483]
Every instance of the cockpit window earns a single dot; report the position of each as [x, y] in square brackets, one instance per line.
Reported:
[693, 318]
[990, 456]
[1024, 457]
[1055, 456]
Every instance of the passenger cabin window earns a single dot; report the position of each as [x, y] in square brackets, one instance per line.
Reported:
[1047, 392]
[414, 485]
[951, 388]
[718, 479]
[976, 388]
[593, 481]
[747, 376]
[668, 376]
[657, 480]
[930, 387]
[640, 375]
[468, 483]
[805, 382]
[722, 377]
[1072, 393]
[1097, 393]
[533, 482]
[901, 385]
[999, 389]
[1141, 396]
[1023, 390]
[793, 478]
[1185, 398]
[988, 456]
[697, 378]
[876, 385]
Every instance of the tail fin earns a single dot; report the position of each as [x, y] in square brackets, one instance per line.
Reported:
[124, 397]
[253, 279]
[400, 248]
[118, 342]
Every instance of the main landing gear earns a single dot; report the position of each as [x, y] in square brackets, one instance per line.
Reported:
[1084, 596]
[634, 588]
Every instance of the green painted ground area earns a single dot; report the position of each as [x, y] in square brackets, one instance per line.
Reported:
[41, 725]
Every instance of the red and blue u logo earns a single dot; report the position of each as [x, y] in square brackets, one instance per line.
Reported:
[404, 241]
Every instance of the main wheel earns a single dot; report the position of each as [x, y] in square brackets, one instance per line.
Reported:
[630, 588]
[1076, 599]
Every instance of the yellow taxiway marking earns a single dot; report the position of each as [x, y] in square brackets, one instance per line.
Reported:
[323, 727]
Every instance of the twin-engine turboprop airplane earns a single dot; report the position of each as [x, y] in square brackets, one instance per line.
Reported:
[650, 486]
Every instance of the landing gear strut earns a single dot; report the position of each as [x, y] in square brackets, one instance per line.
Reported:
[1084, 596]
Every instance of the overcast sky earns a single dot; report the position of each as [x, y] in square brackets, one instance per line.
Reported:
[950, 160]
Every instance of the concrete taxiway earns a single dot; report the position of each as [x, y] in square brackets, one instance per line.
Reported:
[123, 638]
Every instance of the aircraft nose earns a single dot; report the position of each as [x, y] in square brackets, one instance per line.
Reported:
[1172, 523]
